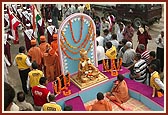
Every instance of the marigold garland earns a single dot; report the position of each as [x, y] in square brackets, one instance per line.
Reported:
[85, 40]
[62, 48]
[83, 44]
[70, 24]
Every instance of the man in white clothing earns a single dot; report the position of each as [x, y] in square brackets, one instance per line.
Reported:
[100, 53]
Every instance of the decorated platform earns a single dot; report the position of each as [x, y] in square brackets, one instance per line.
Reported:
[90, 83]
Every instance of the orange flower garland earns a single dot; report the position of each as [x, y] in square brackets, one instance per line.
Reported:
[57, 87]
[83, 44]
[86, 40]
[70, 24]
[62, 48]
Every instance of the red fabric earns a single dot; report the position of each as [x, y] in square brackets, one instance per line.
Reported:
[14, 22]
[39, 95]
[143, 39]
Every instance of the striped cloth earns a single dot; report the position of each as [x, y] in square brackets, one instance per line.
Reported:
[141, 67]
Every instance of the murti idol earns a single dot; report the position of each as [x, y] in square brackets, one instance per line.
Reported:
[86, 70]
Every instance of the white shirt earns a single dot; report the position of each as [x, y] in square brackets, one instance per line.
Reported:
[6, 36]
[120, 35]
[115, 43]
[100, 53]
[160, 45]
[27, 62]
[158, 82]
[100, 40]
[14, 107]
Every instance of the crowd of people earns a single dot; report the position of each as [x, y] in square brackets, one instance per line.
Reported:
[38, 61]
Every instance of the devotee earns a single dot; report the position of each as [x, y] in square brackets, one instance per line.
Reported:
[144, 53]
[128, 56]
[100, 53]
[139, 73]
[21, 102]
[55, 14]
[114, 41]
[81, 8]
[76, 9]
[40, 94]
[54, 45]
[9, 95]
[143, 37]
[111, 51]
[35, 54]
[50, 64]
[153, 60]
[100, 105]
[52, 105]
[7, 52]
[155, 81]
[160, 49]
[41, 29]
[43, 47]
[34, 76]
[22, 62]
[28, 35]
[120, 31]
[122, 49]
[6, 63]
[99, 39]
[51, 29]
[105, 24]
[66, 11]
[128, 31]
[43, 44]
[119, 91]
[107, 37]
[98, 26]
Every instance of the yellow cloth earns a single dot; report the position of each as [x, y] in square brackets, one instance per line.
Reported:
[152, 80]
[21, 61]
[87, 6]
[51, 107]
[111, 53]
[34, 77]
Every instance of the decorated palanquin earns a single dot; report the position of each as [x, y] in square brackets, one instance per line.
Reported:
[112, 66]
[77, 47]
[62, 83]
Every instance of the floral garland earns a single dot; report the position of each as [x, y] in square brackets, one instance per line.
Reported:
[118, 64]
[84, 46]
[84, 42]
[62, 48]
[57, 88]
[70, 23]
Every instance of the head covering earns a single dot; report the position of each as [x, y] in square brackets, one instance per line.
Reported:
[33, 42]
[51, 51]
[55, 36]
[50, 20]
[141, 30]
[28, 9]
[42, 38]
[24, 8]
[129, 44]
[28, 25]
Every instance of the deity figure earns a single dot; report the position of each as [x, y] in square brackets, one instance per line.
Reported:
[86, 70]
